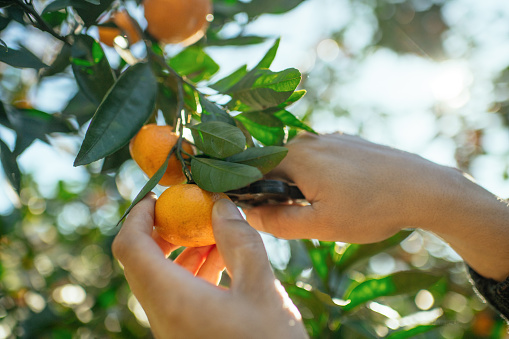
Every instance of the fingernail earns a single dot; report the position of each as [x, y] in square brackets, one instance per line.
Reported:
[226, 209]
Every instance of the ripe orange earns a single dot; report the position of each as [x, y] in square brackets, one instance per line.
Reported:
[150, 147]
[183, 215]
[125, 28]
[177, 21]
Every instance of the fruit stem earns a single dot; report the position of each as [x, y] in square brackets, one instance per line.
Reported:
[182, 120]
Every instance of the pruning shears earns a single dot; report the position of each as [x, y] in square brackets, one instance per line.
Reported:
[266, 192]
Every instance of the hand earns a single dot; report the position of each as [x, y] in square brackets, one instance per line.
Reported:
[358, 191]
[181, 298]
[361, 192]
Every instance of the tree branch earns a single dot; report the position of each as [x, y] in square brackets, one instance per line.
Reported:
[41, 24]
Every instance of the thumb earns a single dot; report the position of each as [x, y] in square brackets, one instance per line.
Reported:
[285, 221]
[241, 247]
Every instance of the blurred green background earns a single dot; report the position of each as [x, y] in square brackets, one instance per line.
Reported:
[429, 77]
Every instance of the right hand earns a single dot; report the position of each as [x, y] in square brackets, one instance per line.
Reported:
[359, 192]
[181, 298]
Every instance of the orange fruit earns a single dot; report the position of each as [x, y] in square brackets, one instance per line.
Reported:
[149, 149]
[125, 28]
[177, 21]
[183, 215]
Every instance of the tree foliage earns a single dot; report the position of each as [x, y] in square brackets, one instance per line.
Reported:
[57, 275]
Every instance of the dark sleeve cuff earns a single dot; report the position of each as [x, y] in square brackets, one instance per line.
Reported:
[494, 292]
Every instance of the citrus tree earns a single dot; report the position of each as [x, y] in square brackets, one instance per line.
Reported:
[147, 90]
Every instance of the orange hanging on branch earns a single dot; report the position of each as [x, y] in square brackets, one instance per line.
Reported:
[183, 215]
[150, 147]
[177, 21]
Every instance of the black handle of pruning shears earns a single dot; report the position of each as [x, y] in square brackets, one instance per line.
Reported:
[266, 192]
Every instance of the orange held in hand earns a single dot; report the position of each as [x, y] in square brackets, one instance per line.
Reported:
[150, 147]
[183, 215]
[177, 21]
[125, 28]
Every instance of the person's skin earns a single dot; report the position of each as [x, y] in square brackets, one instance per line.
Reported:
[181, 298]
[361, 192]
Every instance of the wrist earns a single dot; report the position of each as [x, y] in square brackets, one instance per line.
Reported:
[473, 221]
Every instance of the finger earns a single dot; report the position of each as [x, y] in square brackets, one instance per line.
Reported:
[285, 221]
[165, 246]
[192, 258]
[145, 265]
[241, 248]
[297, 164]
[285, 169]
[153, 278]
[213, 267]
[136, 232]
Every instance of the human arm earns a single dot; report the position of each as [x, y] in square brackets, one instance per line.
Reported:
[181, 298]
[361, 192]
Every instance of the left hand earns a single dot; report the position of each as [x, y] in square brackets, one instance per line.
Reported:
[181, 298]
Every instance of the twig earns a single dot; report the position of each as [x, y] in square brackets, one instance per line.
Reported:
[41, 24]
[182, 113]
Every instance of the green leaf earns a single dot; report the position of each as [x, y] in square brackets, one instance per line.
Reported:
[31, 124]
[355, 253]
[151, 183]
[255, 8]
[218, 139]
[321, 258]
[55, 19]
[81, 108]
[269, 56]
[21, 58]
[263, 158]
[311, 299]
[56, 6]
[191, 97]
[212, 112]
[16, 13]
[167, 102]
[113, 161]
[60, 63]
[91, 12]
[91, 68]
[221, 176]
[411, 333]
[291, 120]
[4, 118]
[227, 82]
[10, 166]
[404, 282]
[236, 41]
[4, 22]
[296, 96]
[263, 89]
[61, 4]
[194, 63]
[121, 114]
[264, 127]
[358, 328]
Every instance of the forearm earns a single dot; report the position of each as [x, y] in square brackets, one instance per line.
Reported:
[474, 222]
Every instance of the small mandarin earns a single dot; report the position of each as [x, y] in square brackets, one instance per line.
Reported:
[177, 21]
[149, 149]
[183, 215]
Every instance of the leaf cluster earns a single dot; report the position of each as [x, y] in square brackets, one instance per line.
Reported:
[238, 141]
[328, 283]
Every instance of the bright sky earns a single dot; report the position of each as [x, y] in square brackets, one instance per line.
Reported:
[404, 88]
